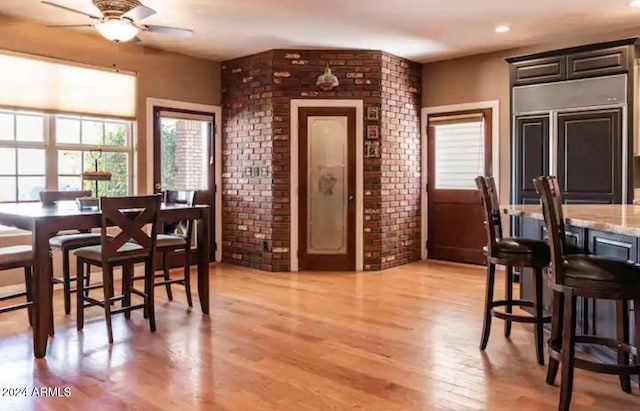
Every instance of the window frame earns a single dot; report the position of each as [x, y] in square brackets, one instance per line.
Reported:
[52, 148]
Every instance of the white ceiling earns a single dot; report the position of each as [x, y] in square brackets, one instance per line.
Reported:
[422, 30]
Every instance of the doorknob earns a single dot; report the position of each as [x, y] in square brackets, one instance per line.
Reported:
[158, 186]
[351, 198]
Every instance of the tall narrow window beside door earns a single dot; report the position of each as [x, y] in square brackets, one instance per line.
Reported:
[459, 156]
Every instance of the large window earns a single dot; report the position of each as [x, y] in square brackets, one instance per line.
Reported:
[51, 151]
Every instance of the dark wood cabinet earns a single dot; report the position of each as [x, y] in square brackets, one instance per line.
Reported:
[531, 154]
[590, 156]
[541, 70]
[598, 63]
[593, 60]
[602, 313]
[612, 245]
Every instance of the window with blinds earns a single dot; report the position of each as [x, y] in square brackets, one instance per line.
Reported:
[459, 152]
[50, 85]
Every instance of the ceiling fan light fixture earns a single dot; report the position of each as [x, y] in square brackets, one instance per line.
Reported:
[118, 30]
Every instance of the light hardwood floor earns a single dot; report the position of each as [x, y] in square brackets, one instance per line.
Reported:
[403, 339]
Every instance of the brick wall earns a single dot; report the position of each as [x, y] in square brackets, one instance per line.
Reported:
[400, 167]
[262, 86]
[247, 141]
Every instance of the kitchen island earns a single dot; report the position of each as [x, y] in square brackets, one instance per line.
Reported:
[611, 230]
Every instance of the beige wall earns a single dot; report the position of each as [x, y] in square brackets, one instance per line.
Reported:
[486, 77]
[159, 74]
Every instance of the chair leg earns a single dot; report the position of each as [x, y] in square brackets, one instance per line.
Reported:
[149, 303]
[80, 295]
[126, 288]
[88, 279]
[555, 342]
[585, 315]
[509, 297]
[66, 281]
[539, 305]
[622, 335]
[52, 328]
[636, 319]
[107, 281]
[568, 351]
[486, 328]
[29, 288]
[167, 277]
[187, 278]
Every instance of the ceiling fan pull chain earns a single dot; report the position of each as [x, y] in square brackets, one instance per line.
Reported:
[116, 45]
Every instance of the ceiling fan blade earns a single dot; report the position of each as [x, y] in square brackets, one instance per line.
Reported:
[70, 9]
[139, 12]
[172, 31]
[136, 39]
[69, 26]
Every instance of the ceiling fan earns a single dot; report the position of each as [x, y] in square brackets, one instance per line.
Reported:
[120, 20]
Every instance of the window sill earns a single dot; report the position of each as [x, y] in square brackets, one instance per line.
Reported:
[13, 232]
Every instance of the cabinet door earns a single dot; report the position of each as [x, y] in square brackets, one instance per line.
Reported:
[598, 63]
[590, 156]
[542, 70]
[531, 158]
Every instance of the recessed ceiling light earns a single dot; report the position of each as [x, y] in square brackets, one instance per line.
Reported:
[635, 4]
[503, 28]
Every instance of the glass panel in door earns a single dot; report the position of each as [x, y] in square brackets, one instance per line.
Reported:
[327, 185]
[184, 154]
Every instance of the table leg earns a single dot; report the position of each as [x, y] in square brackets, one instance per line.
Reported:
[42, 290]
[203, 261]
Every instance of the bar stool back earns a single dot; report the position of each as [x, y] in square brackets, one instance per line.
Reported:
[510, 252]
[579, 275]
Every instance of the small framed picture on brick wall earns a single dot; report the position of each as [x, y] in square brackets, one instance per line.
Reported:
[373, 132]
[372, 149]
[373, 113]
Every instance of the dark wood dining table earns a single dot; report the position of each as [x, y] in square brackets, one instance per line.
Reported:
[46, 221]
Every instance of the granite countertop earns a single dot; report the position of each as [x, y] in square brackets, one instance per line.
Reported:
[613, 218]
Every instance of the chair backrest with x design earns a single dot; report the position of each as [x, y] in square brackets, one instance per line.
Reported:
[190, 198]
[181, 228]
[130, 215]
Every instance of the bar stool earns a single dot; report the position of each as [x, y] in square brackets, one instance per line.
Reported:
[511, 252]
[67, 242]
[592, 277]
[176, 240]
[130, 215]
[20, 256]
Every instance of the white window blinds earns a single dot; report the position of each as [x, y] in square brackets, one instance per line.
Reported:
[459, 153]
[42, 84]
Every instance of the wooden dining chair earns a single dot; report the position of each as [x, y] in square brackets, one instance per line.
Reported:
[581, 275]
[176, 239]
[66, 242]
[131, 215]
[20, 256]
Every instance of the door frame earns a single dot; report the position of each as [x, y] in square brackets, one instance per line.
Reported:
[216, 111]
[295, 155]
[494, 105]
